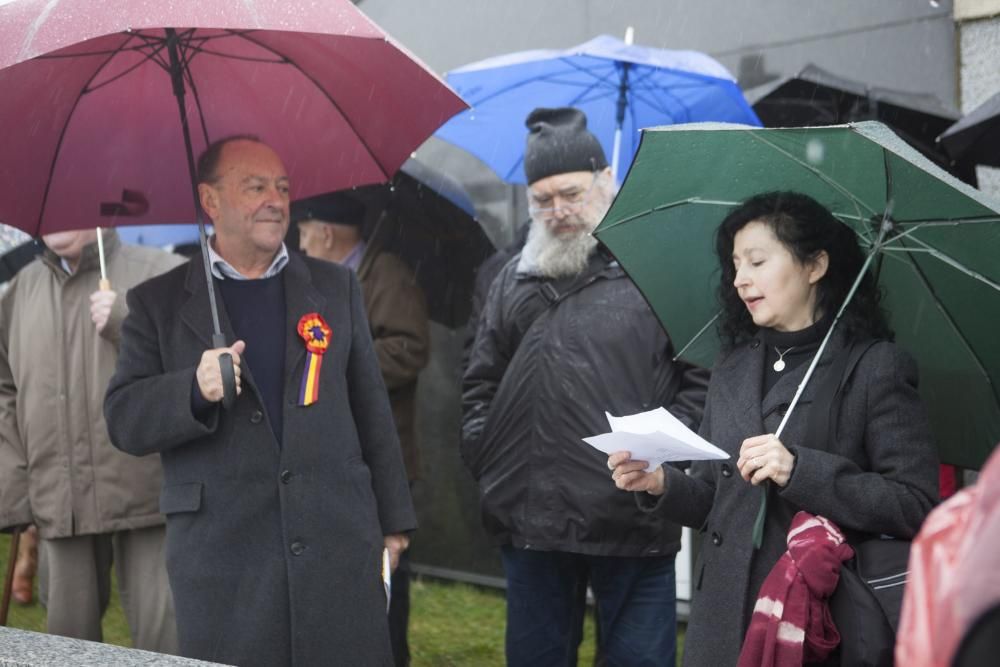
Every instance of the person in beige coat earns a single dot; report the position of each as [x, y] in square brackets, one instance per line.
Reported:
[93, 505]
[330, 229]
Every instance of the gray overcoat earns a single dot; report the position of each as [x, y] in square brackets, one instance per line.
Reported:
[879, 476]
[274, 553]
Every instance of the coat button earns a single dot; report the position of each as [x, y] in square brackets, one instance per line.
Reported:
[726, 470]
[286, 476]
[256, 417]
[297, 548]
[716, 539]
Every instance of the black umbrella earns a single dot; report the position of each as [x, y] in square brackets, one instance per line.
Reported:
[425, 218]
[817, 97]
[976, 137]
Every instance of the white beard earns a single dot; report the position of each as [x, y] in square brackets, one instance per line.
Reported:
[556, 256]
[553, 256]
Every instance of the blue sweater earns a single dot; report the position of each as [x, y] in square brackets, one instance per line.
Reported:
[257, 312]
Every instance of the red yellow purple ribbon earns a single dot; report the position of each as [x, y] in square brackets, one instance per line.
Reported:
[316, 334]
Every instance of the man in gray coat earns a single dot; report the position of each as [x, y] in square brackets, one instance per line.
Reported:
[278, 509]
[93, 505]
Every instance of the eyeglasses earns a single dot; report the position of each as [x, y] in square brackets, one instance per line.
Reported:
[540, 207]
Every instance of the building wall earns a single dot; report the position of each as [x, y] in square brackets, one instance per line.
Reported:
[979, 66]
[903, 44]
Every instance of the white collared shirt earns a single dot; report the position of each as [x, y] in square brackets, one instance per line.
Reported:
[222, 269]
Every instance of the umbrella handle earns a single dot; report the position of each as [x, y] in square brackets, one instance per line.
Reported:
[228, 371]
[104, 285]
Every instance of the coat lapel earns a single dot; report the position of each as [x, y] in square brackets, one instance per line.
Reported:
[301, 298]
[741, 376]
[196, 311]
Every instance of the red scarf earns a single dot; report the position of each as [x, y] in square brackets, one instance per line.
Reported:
[791, 622]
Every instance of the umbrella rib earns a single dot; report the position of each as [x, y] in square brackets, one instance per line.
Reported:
[697, 335]
[952, 262]
[150, 56]
[332, 101]
[939, 222]
[664, 207]
[186, 73]
[62, 136]
[954, 325]
[816, 172]
[548, 78]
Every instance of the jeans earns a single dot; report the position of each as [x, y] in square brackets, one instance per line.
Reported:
[636, 607]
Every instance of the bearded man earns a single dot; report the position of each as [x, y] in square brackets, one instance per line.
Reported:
[565, 336]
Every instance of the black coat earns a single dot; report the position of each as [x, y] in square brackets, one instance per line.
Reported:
[532, 391]
[273, 553]
[877, 476]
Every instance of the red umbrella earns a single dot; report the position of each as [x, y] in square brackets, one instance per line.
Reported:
[103, 106]
[88, 108]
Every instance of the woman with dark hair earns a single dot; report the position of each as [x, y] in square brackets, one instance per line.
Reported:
[787, 266]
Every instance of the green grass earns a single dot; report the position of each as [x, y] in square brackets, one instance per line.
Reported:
[451, 625]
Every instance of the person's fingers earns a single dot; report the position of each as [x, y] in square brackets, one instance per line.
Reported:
[617, 458]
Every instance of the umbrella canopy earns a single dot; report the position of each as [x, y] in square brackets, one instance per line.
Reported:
[91, 127]
[619, 86]
[936, 263]
[815, 96]
[976, 137]
[426, 218]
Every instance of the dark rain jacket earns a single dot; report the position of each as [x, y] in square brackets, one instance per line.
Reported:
[540, 378]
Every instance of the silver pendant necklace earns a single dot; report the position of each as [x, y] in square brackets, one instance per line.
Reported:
[779, 365]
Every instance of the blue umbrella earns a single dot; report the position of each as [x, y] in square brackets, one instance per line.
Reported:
[621, 87]
[159, 235]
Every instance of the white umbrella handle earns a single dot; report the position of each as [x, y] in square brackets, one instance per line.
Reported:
[876, 247]
[103, 284]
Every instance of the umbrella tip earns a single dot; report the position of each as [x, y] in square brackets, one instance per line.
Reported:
[629, 35]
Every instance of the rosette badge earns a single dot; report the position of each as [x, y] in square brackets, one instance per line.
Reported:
[316, 333]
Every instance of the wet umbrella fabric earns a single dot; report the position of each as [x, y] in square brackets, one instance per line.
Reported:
[976, 137]
[616, 84]
[936, 261]
[815, 97]
[89, 114]
[430, 223]
[104, 111]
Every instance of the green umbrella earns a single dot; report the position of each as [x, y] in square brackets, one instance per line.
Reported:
[934, 244]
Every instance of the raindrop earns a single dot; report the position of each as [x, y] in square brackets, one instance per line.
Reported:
[815, 151]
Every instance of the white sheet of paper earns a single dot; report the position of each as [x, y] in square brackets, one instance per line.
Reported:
[655, 436]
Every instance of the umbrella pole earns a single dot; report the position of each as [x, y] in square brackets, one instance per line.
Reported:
[758, 526]
[616, 152]
[620, 119]
[104, 284]
[218, 338]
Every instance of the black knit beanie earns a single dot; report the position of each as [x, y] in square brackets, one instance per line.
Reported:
[559, 143]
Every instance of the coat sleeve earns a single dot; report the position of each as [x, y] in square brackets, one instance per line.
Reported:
[688, 497]
[147, 409]
[397, 314]
[488, 361]
[15, 509]
[373, 421]
[894, 496]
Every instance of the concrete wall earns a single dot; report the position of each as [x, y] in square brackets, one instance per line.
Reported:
[904, 44]
[978, 23]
